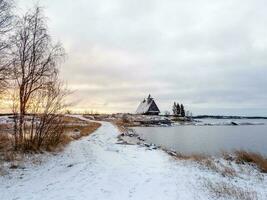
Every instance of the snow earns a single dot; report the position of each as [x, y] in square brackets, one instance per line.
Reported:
[145, 105]
[5, 120]
[96, 168]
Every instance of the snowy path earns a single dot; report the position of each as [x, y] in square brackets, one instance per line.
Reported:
[95, 167]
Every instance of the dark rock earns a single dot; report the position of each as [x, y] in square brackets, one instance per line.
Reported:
[16, 166]
[147, 145]
[172, 153]
[234, 123]
[13, 166]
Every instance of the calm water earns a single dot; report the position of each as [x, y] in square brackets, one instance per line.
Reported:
[209, 139]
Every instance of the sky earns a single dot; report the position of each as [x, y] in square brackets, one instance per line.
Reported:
[209, 55]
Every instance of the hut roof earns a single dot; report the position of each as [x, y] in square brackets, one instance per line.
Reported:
[147, 106]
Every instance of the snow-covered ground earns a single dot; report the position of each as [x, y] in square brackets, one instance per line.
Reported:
[95, 167]
[5, 120]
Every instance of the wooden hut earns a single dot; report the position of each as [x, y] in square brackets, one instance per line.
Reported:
[148, 107]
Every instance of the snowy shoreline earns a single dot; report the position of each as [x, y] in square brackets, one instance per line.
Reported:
[96, 167]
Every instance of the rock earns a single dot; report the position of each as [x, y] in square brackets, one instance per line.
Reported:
[172, 153]
[147, 145]
[16, 166]
[153, 147]
[13, 166]
[234, 123]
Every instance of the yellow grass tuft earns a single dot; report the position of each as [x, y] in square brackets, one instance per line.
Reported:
[209, 163]
[243, 157]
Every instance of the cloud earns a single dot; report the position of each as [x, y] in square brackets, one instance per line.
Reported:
[211, 55]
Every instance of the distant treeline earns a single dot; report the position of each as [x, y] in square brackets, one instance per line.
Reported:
[227, 117]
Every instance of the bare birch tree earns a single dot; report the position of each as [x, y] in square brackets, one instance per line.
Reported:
[34, 61]
[46, 121]
[6, 19]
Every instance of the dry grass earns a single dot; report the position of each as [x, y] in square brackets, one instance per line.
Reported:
[194, 157]
[123, 123]
[243, 157]
[240, 157]
[84, 130]
[63, 141]
[69, 120]
[120, 125]
[71, 124]
[230, 191]
[209, 163]
[4, 142]
[219, 168]
[7, 154]
[5, 126]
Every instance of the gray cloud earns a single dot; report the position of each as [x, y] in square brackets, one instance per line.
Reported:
[211, 55]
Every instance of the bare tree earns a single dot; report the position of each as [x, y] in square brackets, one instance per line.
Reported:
[45, 126]
[34, 61]
[6, 19]
[6, 16]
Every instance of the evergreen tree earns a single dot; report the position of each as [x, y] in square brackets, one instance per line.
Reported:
[178, 109]
[174, 109]
[182, 110]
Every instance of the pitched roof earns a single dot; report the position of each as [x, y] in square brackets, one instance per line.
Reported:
[147, 106]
